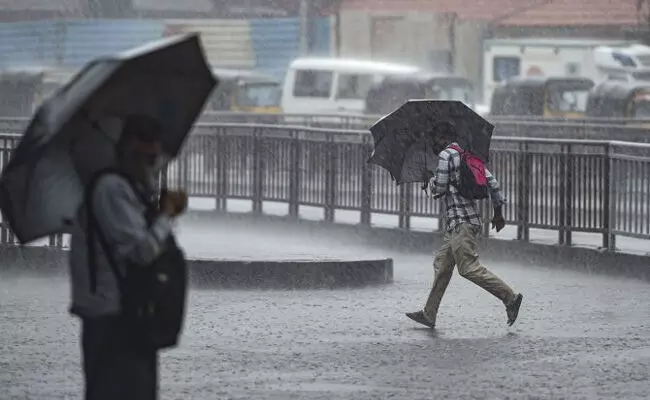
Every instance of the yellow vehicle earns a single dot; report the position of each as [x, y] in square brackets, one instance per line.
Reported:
[616, 99]
[542, 96]
[394, 90]
[53, 80]
[245, 91]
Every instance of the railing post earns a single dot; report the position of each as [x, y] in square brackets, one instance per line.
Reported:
[614, 187]
[568, 199]
[523, 192]
[55, 240]
[408, 209]
[366, 184]
[221, 154]
[562, 211]
[294, 176]
[8, 144]
[258, 183]
[404, 220]
[330, 179]
[608, 213]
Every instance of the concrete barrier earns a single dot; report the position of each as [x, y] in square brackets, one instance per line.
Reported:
[209, 274]
[291, 274]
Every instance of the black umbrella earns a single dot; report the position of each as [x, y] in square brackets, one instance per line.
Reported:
[73, 133]
[404, 138]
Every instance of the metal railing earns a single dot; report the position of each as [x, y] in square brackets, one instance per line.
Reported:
[537, 127]
[569, 186]
[590, 129]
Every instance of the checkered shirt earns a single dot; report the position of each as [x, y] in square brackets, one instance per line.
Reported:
[459, 209]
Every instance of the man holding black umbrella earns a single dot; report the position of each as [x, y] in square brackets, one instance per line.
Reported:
[463, 224]
[115, 366]
[129, 276]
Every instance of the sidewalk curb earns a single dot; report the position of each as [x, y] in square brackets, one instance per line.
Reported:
[229, 273]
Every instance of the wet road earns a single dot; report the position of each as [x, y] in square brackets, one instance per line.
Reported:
[577, 337]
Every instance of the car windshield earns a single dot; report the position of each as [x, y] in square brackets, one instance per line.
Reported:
[460, 92]
[641, 109]
[265, 94]
[568, 99]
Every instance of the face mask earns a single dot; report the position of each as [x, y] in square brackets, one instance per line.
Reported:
[160, 162]
[154, 162]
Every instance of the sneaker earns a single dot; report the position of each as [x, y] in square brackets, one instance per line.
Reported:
[512, 309]
[420, 318]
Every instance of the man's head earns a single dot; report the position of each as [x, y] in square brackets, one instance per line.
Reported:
[139, 149]
[443, 134]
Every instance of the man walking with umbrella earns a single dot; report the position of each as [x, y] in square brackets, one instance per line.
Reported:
[463, 224]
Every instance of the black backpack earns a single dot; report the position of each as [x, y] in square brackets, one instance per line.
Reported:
[152, 297]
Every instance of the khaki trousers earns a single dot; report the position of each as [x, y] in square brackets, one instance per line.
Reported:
[460, 248]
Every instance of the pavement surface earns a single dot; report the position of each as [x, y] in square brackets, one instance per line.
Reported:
[578, 336]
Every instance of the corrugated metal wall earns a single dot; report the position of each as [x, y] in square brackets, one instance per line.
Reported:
[268, 45]
[36, 42]
[421, 38]
[227, 43]
[276, 42]
[322, 44]
[85, 40]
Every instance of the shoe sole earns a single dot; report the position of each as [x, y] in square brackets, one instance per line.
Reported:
[422, 322]
[518, 301]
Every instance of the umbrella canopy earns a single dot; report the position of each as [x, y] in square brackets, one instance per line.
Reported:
[73, 133]
[403, 139]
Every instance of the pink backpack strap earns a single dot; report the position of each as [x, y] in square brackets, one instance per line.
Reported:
[458, 149]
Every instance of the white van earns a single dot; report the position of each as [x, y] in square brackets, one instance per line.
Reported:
[333, 85]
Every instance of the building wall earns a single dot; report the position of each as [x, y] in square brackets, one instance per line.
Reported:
[469, 55]
[268, 45]
[587, 32]
[420, 38]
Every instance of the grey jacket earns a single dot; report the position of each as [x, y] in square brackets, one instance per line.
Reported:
[120, 215]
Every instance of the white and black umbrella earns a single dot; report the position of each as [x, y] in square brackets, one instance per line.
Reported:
[73, 133]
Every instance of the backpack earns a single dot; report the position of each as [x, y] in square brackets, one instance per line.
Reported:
[473, 183]
[152, 297]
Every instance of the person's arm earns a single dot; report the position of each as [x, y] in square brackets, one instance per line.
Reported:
[117, 212]
[439, 184]
[496, 196]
